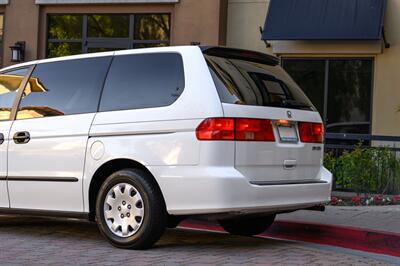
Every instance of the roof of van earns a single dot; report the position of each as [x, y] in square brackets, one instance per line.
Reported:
[209, 50]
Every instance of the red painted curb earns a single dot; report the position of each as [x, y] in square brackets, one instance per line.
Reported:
[341, 236]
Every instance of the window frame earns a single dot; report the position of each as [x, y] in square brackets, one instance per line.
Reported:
[327, 61]
[91, 42]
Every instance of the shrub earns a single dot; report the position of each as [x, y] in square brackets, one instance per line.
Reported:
[366, 170]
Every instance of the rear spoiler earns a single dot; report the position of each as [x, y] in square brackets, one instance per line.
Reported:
[233, 53]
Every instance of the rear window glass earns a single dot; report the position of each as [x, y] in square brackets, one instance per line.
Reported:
[239, 81]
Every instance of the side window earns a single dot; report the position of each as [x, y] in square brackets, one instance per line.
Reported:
[9, 84]
[143, 81]
[64, 88]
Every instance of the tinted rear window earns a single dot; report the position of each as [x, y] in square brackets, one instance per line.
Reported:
[241, 81]
[143, 81]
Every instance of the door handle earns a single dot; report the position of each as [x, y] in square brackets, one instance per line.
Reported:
[1, 138]
[22, 137]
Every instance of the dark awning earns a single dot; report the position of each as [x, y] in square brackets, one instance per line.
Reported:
[324, 20]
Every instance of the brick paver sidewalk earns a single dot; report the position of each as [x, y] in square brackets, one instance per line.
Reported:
[30, 241]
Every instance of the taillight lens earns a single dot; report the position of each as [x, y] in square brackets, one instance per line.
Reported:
[241, 129]
[311, 132]
[216, 129]
[254, 130]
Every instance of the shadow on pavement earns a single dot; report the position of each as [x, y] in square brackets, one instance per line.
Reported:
[73, 229]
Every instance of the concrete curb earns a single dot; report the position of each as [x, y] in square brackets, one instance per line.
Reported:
[374, 241]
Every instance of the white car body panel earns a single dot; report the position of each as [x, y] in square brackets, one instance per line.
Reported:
[195, 177]
[263, 161]
[204, 190]
[161, 136]
[5, 130]
[57, 150]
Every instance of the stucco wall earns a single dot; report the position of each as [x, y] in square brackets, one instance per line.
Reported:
[245, 17]
[198, 21]
[21, 22]
[386, 96]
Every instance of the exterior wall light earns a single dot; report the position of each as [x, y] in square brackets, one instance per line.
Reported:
[18, 52]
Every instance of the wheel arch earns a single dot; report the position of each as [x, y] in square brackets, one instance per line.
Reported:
[104, 171]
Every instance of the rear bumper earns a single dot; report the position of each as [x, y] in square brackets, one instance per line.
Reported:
[195, 190]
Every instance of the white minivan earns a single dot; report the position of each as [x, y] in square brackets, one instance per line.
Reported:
[138, 140]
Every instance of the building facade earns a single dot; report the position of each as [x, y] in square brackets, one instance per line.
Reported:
[354, 84]
[53, 28]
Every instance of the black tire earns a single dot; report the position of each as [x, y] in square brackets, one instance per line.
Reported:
[155, 216]
[247, 226]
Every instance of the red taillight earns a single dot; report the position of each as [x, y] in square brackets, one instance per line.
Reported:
[241, 129]
[216, 129]
[254, 130]
[311, 132]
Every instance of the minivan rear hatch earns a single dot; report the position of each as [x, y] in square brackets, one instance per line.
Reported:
[253, 86]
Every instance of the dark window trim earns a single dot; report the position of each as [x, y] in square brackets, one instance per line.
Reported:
[86, 41]
[326, 87]
[104, 84]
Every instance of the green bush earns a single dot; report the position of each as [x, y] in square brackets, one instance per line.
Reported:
[366, 170]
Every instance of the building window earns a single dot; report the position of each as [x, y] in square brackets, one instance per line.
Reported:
[75, 34]
[339, 88]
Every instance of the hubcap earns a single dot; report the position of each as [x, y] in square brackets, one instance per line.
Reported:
[123, 210]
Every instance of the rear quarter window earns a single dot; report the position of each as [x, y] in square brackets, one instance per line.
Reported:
[143, 81]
